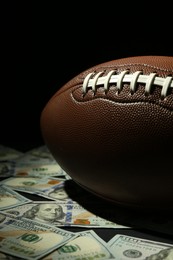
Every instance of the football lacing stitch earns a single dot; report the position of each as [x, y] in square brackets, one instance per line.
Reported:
[93, 80]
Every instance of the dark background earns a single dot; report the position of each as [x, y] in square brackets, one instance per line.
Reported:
[46, 43]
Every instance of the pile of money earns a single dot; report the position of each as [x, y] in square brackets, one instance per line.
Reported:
[42, 212]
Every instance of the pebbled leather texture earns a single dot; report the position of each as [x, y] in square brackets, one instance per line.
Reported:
[117, 144]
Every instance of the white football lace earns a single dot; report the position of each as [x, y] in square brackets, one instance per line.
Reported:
[93, 81]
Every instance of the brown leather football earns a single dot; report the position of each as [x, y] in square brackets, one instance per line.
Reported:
[111, 129]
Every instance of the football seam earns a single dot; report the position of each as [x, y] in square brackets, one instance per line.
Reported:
[105, 67]
[119, 102]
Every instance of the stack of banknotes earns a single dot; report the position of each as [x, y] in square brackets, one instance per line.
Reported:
[44, 214]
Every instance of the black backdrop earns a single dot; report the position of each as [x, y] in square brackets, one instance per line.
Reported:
[46, 43]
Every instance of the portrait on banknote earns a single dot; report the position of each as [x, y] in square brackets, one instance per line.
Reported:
[46, 212]
[58, 193]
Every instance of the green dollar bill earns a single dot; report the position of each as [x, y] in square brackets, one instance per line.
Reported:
[88, 245]
[8, 153]
[31, 184]
[10, 198]
[128, 247]
[61, 214]
[28, 239]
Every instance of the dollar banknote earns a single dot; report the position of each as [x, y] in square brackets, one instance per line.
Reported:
[87, 246]
[38, 170]
[61, 214]
[41, 152]
[10, 198]
[7, 168]
[8, 153]
[39, 155]
[28, 239]
[31, 184]
[57, 193]
[129, 247]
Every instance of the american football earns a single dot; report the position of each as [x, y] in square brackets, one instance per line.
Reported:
[111, 129]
